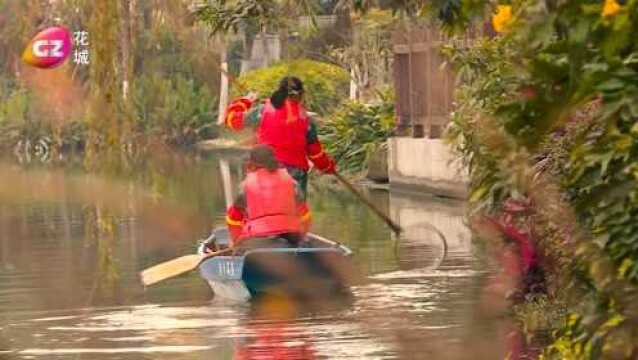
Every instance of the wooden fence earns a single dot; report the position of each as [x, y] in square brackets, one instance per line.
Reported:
[423, 85]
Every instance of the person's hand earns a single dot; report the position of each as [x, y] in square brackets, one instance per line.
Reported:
[252, 96]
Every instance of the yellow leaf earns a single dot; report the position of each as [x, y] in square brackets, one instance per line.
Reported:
[624, 267]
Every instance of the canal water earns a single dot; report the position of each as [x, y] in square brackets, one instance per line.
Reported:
[72, 244]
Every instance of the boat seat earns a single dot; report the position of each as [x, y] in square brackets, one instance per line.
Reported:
[222, 237]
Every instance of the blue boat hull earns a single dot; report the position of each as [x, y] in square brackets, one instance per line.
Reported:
[319, 267]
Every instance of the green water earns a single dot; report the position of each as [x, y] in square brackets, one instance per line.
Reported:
[71, 246]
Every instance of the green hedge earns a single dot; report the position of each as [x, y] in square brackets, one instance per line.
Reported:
[326, 85]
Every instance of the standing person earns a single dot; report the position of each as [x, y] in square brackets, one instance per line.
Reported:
[283, 123]
[269, 203]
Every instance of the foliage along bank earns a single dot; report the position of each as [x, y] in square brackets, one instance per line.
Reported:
[546, 120]
[152, 78]
[355, 131]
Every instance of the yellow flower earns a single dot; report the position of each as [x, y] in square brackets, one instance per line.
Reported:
[503, 18]
[610, 8]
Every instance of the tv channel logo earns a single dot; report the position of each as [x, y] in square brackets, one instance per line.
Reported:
[49, 48]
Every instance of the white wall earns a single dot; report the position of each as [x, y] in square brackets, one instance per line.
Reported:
[426, 164]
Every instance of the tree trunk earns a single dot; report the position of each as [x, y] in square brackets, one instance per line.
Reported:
[134, 14]
[223, 85]
[353, 86]
[247, 53]
[265, 60]
[125, 46]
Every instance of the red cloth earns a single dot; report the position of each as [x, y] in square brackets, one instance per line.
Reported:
[236, 111]
[285, 131]
[234, 221]
[528, 253]
[271, 208]
[320, 159]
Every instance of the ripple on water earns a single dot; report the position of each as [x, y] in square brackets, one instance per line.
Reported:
[152, 319]
[145, 350]
[420, 284]
[425, 273]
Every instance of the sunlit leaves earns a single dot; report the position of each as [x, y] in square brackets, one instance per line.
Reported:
[355, 131]
[568, 57]
[224, 16]
[227, 16]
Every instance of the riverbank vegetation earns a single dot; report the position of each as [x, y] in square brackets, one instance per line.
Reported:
[546, 123]
[152, 77]
[154, 70]
[355, 131]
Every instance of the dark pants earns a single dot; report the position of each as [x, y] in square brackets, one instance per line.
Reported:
[301, 177]
[282, 240]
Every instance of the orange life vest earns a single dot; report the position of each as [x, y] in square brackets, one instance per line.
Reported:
[285, 131]
[271, 208]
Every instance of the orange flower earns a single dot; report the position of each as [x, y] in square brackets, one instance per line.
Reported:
[503, 18]
[610, 8]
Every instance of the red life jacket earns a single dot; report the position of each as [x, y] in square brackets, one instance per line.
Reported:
[271, 208]
[284, 130]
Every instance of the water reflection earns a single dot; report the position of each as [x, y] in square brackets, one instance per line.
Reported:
[70, 256]
[269, 333]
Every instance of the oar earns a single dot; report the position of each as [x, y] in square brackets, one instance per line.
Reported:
[175, 267]
[396, 228]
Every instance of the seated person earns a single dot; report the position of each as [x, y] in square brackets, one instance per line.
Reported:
[270, 203]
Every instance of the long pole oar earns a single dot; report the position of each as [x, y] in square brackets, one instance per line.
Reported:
[396, 228]
[175, 267]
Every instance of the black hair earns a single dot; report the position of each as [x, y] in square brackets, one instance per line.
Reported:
[264, 157]
[288, 86]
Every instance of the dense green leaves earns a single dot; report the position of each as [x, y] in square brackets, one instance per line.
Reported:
[356, 130]
[175, 109]
[557, 94]
[171, 78]
[224, 16]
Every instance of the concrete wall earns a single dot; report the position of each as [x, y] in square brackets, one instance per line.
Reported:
[427, 165]
[263, 53]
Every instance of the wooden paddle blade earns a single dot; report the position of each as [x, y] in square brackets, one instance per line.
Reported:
[169, 269]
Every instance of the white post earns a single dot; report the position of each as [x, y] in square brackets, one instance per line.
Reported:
[224, 167]
[223, 86]
[353, 85]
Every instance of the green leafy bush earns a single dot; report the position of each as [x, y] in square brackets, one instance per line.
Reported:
[23, 126]
[174, 108]
[326, 85]
[547, 112]
[356, 130]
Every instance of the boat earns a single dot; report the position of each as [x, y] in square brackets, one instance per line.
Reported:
[316, 267]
